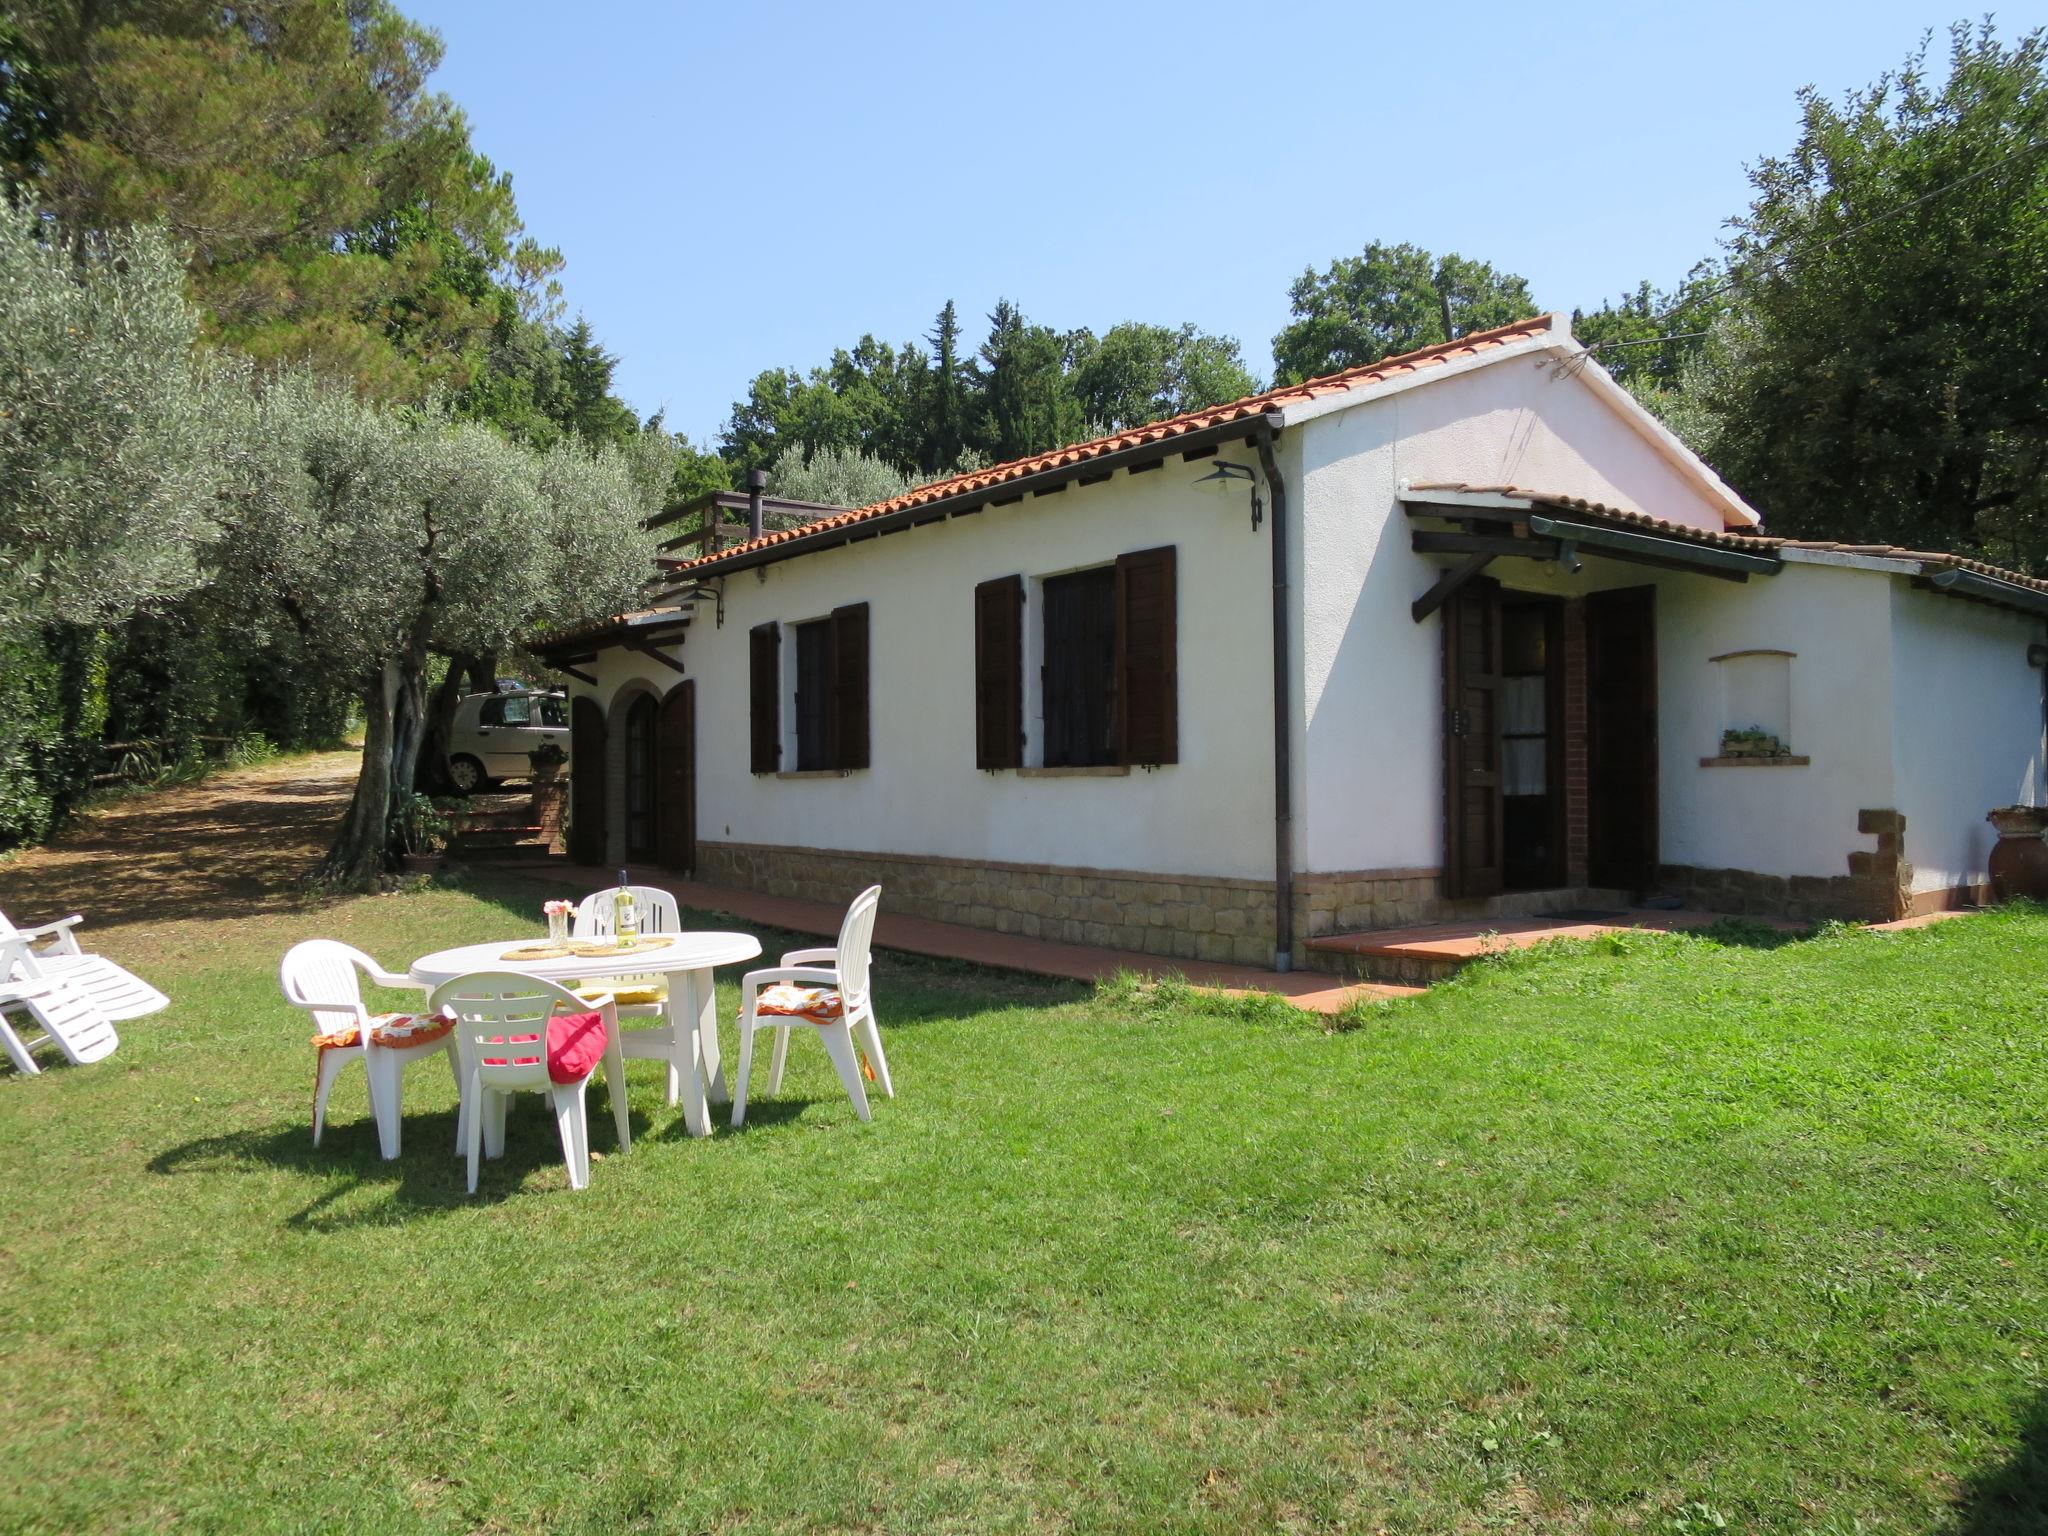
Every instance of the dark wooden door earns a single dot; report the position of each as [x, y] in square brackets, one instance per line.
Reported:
[675, 754]
[1621, 738]
[586, 782]
[1472, 778]
[639, 786]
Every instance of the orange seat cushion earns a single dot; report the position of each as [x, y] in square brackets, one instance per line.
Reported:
[786, 1000]
[393, 1030]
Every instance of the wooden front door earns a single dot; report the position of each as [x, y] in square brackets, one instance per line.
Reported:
[586, 782]
[675, 753]
[1473, 864]
[1621, 738]
[639, 783]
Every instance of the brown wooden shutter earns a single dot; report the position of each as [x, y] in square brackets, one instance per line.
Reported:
[999, 673]
[586, 782]
[848, 717]
[765, 693]
[1147, 671]
[1472, 778]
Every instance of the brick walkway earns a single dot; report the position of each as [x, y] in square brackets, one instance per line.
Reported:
[953, 941]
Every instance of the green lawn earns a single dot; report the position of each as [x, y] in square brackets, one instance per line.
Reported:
[1653, 1235]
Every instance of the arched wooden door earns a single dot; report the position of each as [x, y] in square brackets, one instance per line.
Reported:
[676, 757]
[640, 789]
[586, 782]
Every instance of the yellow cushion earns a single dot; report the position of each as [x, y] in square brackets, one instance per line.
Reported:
[624, 996]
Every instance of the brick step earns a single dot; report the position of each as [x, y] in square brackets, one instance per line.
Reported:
[1433, 953]
[519, 814]
[498, 836]
[532, 852]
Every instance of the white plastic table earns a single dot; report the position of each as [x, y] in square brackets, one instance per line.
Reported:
[691, 1013]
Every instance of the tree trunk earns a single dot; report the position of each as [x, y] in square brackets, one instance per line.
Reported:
[357, 857]
[431, 775]
[409, 717]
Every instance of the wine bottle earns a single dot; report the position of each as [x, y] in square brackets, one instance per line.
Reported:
[625, 915]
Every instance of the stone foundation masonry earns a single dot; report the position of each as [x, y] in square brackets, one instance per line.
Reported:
[1181, 917]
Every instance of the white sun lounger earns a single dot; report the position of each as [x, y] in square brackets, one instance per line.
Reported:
[118, 993]
[69, 1018]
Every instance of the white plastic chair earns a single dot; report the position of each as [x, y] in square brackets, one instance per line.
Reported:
[501, 1033]
[320, 976]
[637, 997]
[844, 970]
[69, 1017]
[119, 993]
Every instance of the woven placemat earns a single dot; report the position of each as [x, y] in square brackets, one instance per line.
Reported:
[587, 949]
[537, 952]
[597, 949]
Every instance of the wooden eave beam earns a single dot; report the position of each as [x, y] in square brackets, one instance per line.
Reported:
[648, 648]
[1448, 583]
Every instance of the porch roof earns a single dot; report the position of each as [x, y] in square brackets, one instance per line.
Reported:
[1532, 524]
[645, 630]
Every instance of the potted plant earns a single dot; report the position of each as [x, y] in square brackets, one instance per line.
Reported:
[1755, 741]
[546, 761]
[2019, 859]
[418, 831]
[550, 790]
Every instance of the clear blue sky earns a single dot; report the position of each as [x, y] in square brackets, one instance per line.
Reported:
[737, 186]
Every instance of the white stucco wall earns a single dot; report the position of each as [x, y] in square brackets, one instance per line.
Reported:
[1775, 820]
[1209, 814]
[1969, 733]
[1372, 765]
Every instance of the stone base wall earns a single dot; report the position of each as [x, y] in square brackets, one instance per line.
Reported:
[1183, 917]
[1366, 898]
[1877, 889]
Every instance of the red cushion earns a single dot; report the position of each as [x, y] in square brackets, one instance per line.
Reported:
[576, 1043]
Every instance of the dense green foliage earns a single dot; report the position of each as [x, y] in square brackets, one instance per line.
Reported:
[275, 180]
[1667, 1234]
[1389, 299]
[113, 447]
[840, 477]
[928, 409]
[1880, 371]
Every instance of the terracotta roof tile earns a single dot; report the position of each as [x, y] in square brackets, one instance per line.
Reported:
[1152, 432]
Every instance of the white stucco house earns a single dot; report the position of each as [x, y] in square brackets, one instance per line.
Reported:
[1461, 633]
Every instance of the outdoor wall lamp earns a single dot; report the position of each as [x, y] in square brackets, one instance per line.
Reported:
[1226, 469]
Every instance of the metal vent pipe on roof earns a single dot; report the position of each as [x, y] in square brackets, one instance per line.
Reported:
[757, 482]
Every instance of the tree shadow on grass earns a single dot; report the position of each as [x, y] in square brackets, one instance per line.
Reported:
[2011, 1498]
[426, 1177]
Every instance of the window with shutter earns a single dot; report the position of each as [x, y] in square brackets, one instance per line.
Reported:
[1147, 670]
[1080, 669]
[765, 697]
[849, 729]
[999, 673]
[813, 694]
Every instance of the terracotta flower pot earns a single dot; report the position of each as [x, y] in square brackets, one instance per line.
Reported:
[2019, 859]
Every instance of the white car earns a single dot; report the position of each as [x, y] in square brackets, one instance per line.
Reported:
[493, 732]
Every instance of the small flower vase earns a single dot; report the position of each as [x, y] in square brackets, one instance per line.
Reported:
[558, 927]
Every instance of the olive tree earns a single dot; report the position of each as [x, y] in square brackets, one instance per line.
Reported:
[386, 538]
[116, 431]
